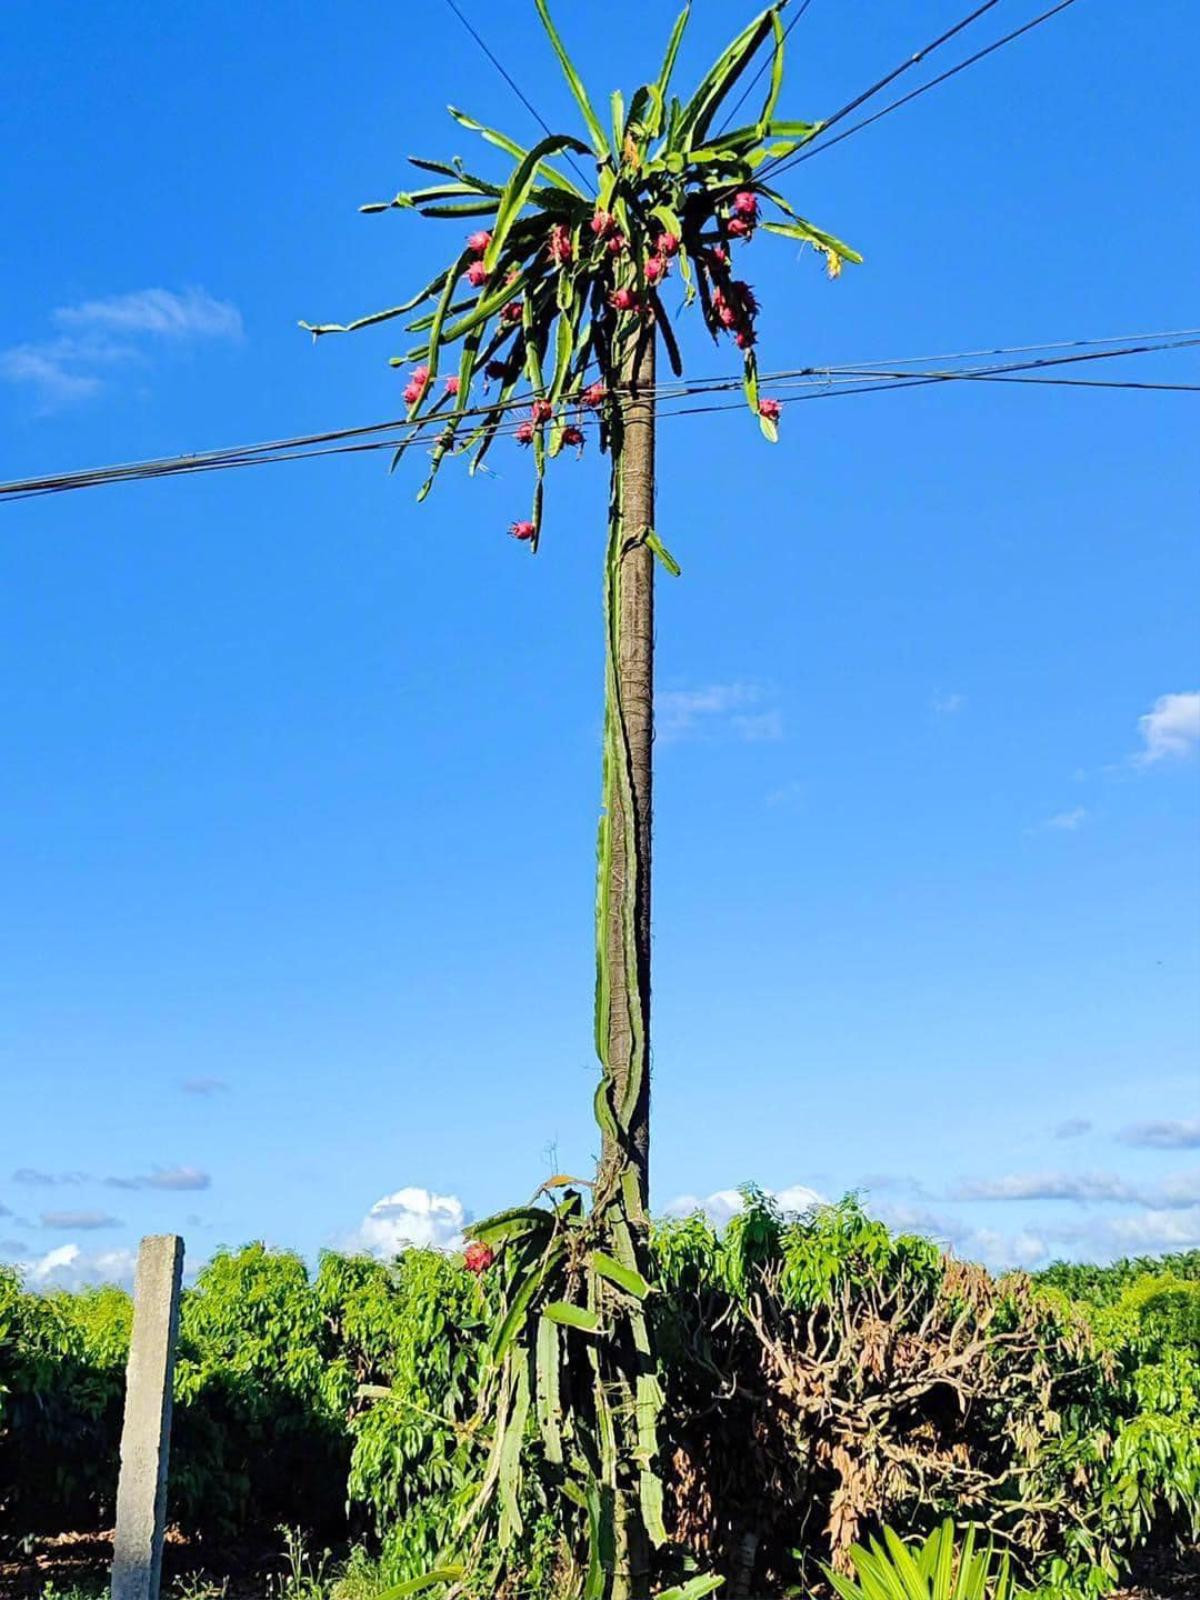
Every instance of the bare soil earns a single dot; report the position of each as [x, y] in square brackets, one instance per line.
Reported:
[82, 1561]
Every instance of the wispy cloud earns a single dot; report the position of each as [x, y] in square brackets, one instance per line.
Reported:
[1072, 1128]
[98, 337]
[1171, 728]
[35, 1178]
[946, 705]
[1066, 821]
[1086, 1188]
[736, 710]
[162, 313]
[1164, 1135]
[51, 371]
[204, 1086]
[1045, 1186]
[79, 1221]
[164, 1178]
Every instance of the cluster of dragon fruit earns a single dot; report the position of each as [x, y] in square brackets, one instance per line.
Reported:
[730, 309]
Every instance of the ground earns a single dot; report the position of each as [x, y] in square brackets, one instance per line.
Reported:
[76, 1564]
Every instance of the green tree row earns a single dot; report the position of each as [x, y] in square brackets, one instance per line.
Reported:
[824, 1378]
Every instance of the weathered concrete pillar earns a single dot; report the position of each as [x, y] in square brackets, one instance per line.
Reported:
[146, 1436]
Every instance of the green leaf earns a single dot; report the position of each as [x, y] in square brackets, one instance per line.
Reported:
[618, 126]
[817, 236]
[516, 191]
[769, 427]
[484, 311]
[449, 170]
[476, 208]
[575, 81]
[649, 1404]
[624, 1277]
[439, 191]
[645, 114]
[906, 1567]
[651, 1491]
[549, 1399]
[668, 66]
[401, 1591]
[694, 1589]
[750, 381]
[720, 80]
[530, 1281]
[515, 1223]
[426, 293]
[509, 1480]
[663, 554]
[572, 1316]
[799, 228]
[512, 148]
[772, 99]
[439, 316]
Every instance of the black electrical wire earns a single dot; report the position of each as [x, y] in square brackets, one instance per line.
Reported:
[514, 86]
[785, 164]
[762, 67]
[821, 382]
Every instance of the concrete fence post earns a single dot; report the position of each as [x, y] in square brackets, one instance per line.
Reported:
[146, 1435]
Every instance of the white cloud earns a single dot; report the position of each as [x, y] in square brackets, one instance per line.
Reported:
[1172, 728]
[1066, 821]
[69, 1267]
[723, 1204]
[161, 313]
[106, 333]
[1155, 1229]
[1164, 1135]
[412, 1216]
[735, 709]
[49, 370]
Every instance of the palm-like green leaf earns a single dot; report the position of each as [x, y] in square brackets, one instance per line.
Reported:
[574, 80]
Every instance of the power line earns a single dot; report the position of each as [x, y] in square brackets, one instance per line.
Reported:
[912, 61]
[820, 382]
[514, 86]
[915, 94]
[762, 67]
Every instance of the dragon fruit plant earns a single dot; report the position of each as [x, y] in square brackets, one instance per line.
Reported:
[553, 309]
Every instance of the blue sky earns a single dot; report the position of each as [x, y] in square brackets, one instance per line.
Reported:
[299, 780]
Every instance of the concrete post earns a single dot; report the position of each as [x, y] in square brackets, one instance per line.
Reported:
[146, 1436]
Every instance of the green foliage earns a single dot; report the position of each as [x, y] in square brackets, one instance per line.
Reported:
[1105, 1285]
[935, 1569]
[823, 1379]
[567, 281]
[62, 1385]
